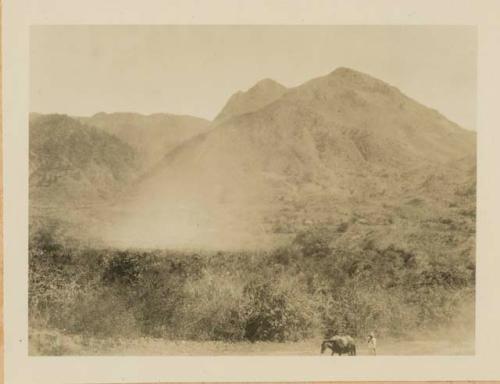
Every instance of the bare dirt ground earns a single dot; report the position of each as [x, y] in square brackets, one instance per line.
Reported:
[51, 343]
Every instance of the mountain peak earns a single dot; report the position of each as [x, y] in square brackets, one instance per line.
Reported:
[261, 94]
[347, 79]
[351, 75]
[267, 83]
[345, 71]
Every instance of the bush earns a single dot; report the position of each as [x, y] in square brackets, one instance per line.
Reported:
[101, 314]
[315, 243]
[278, 310]
[212, 308]
[304, 289]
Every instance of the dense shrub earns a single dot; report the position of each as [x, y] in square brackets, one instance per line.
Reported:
[100, 313]
[278, 310]
[309, 288]
[315, 242]
[212, 308]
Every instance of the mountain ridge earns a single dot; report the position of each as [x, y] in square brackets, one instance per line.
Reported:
[72, 163]
[150, 135]
[333, 141]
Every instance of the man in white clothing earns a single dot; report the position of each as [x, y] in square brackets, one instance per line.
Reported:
[372, 343]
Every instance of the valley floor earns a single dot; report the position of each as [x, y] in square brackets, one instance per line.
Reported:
[55, 343]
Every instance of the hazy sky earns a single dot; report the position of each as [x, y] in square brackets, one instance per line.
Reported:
[193, 70]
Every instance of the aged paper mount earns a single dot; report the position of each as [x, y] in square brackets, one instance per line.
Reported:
[19, 15]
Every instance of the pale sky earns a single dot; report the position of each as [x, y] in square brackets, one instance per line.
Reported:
[193, 70]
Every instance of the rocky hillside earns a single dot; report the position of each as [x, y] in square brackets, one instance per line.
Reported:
[72, 160]
[74, 167]
[344, 148]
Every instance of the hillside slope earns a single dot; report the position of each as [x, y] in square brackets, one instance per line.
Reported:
[151, 136]
[345, 147]
[73, 166]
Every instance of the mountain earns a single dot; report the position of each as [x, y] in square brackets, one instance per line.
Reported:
[264, 92]
[73, 166]
[342, 149]
[151, 136]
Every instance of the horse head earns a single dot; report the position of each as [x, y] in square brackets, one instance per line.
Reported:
[323, 347]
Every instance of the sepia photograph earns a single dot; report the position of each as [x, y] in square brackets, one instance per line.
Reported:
[252, 190]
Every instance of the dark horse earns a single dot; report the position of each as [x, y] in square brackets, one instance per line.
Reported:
[340, 345]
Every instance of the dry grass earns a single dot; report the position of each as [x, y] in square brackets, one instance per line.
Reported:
[55, 343]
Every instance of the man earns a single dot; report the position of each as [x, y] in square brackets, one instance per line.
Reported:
[372, 344]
